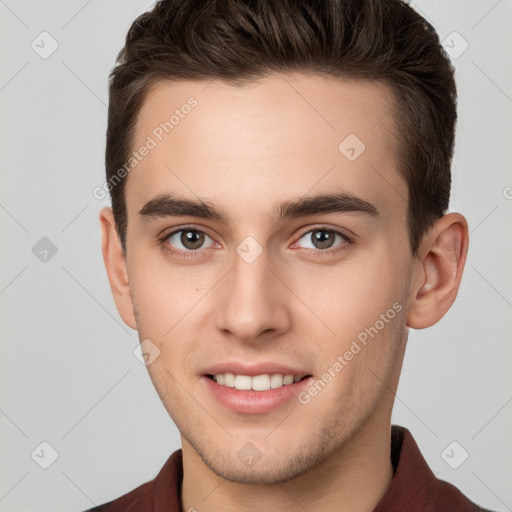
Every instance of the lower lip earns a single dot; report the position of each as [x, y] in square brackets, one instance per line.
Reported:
[255, 402]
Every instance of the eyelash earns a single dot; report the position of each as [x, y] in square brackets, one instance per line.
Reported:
[317, 253]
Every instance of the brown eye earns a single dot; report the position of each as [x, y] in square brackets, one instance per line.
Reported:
[186, 240]
[321, 238]
[192, 239]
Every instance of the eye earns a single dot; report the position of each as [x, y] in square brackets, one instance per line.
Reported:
[323, 239]
[186, 240]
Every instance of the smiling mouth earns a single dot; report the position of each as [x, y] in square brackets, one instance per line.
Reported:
[264, 382]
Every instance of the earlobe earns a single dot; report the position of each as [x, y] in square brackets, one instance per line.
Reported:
[441, 263]
[115, 265]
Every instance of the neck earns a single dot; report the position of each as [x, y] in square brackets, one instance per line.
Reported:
[354, 477]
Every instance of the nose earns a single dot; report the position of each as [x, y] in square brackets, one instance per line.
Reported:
[253, 301]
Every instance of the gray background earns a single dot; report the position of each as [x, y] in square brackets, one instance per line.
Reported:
[68, 373]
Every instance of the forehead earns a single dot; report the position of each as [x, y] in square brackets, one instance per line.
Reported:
[282, 135]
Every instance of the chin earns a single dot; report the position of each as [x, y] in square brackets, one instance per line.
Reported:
[251, 465]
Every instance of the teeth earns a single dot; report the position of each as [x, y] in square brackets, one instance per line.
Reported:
[276, 381]
[288, 379]
[229, 380]
[242, 382]
[257, 383]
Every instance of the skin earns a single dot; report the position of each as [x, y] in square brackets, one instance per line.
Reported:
[246, 149]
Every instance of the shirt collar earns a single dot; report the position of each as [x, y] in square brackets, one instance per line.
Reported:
[412, 488]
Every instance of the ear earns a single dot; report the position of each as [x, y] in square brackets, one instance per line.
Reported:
[115, 264]
[440, 263]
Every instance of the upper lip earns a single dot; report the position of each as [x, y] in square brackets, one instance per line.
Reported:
[239, 368]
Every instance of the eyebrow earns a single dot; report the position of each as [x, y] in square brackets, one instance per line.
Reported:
[167, 205]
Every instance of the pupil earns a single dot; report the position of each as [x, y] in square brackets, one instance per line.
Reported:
[323, 238]
[187, 239]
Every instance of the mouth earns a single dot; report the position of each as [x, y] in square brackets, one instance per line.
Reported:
[257, 394]
[263, 382]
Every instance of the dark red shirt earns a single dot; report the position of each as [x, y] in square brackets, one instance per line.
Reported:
[413, 488]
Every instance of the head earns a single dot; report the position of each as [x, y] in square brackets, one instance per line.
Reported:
[281, 121]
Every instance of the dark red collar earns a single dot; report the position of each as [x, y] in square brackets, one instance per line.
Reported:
[413, 488]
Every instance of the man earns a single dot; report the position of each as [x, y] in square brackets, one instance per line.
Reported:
[280, 176]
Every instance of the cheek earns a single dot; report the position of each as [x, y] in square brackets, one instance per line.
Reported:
[359, 308]
[168, 305]
[354, 293]
[164, 294]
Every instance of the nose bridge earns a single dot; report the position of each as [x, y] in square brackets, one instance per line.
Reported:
[251, 303]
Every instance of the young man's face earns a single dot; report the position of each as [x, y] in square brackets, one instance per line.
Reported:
[256, 288]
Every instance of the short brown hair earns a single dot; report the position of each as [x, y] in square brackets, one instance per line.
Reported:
[242, 40]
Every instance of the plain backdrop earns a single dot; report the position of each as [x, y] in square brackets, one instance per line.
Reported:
[69, 377]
